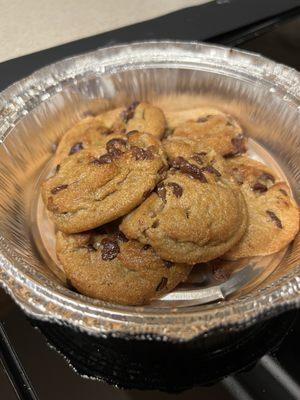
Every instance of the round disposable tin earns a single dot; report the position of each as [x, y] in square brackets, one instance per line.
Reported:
[35, 112]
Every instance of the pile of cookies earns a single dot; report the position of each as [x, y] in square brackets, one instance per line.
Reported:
[139, 196]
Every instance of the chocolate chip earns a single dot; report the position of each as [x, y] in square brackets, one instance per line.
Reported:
[146, 247]
[58, 188]
[141, 154]
[212, 170]
[162, 284]
[110, 249]
[75, 148]
[177, 189]
[155, 224]
[127, 114]
[275, 219]
[115, 147]
[239, 143]
[259, 187]
[147, 193]
[104, 159]
[199, 157]
[192, 170]
[168, 264]
[161, 191]
[57, 168]
[121, 237]
[267, 176]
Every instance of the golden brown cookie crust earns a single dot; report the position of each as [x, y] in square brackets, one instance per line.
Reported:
[273, 214]
[88, 132]
[111, 268]
[196, 214]
[97, 185]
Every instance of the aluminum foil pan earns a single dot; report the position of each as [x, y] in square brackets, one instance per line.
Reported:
[35, 112]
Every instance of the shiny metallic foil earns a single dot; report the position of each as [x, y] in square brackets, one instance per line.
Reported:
[35, 112]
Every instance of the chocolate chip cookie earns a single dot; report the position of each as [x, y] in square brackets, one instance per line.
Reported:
[218, 131]
[110, 267]
[88, 132]
[196, 214]
[273, 214]
[99, 184]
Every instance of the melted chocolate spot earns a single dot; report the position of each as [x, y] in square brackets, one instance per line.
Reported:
[110, 249]
[177, 189]
[212, 170]
[58, 188]
[104, 159]
[168, 264]
[75, 148]
[115, 147]
[259, 187]
[275, 219]
[141, 154]
[161, 191]
[121, 237]
[146, 247]
[162, 284]
[192, 170]
[57, 168]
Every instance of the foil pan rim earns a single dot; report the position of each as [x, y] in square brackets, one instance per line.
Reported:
[21, 97]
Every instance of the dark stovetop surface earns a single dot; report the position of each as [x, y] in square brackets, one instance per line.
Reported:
[29, 368]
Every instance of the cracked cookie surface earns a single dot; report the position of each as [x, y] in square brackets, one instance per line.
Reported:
[273, 214]
[109, 267]
[99, 184]
[196, 214]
